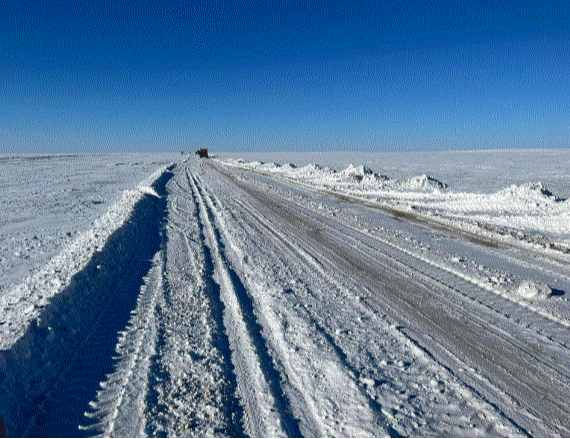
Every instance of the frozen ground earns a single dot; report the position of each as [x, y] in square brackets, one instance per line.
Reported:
[209, 298]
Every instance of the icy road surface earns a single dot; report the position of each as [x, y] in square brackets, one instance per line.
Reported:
[217, 301]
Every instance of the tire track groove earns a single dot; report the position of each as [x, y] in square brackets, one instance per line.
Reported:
[246, 307]
[120, 405]
[314, 413]
[234, 411]
[193, 384]
[425, 308]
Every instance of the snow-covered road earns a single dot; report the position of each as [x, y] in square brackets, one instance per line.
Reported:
[232, 303]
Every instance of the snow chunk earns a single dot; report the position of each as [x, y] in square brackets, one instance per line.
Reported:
[269, 167]
[288, 167]
[148, 190]
[529, 289]
[312, 172]
[311, 169]
[357, 171]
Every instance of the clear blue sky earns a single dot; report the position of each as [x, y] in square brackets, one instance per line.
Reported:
[106, 76]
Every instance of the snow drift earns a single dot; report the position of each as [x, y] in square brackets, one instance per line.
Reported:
[529, 289]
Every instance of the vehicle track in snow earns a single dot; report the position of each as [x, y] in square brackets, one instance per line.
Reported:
[516, 367]
[187, 386]
[221, 309]
[316, 412]
[266, 410]
[301, 253]
[394, 400]
[119, 409]
[194, 384]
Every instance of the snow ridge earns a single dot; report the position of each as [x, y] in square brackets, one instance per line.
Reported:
[24, 303]
[119, 409]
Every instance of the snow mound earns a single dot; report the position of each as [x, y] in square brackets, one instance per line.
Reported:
[269, 167]
[360, 174]
[148, 190]
[312, 172]
[529, 289]
[526, 211]
[288, 167]
[312, 168]
[359, 171]
[423, 182]
[529, 191]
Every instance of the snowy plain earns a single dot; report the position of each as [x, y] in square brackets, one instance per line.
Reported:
[348, 294]
[47, 201]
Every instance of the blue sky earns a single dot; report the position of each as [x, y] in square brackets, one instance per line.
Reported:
[112, 76]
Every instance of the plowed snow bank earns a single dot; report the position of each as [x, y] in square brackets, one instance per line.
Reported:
[528, 211]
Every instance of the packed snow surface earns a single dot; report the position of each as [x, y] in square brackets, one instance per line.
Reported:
[166, 295]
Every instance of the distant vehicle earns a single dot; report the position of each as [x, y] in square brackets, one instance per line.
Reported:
[202, 153]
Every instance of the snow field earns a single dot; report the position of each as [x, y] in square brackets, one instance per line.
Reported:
[49, 201]
[216, 301]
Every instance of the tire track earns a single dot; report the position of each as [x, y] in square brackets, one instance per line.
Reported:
[509, 303]
[309, 376]
[193, 384]
[119, 409]
[289, 237]
[503, 360]
[400, 260]
[266, 407]
[360, 379]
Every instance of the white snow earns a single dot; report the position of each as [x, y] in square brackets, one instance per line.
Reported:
[530, 289]
[48, 201]
[285, 299]
[24, 302]
[526, 211]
